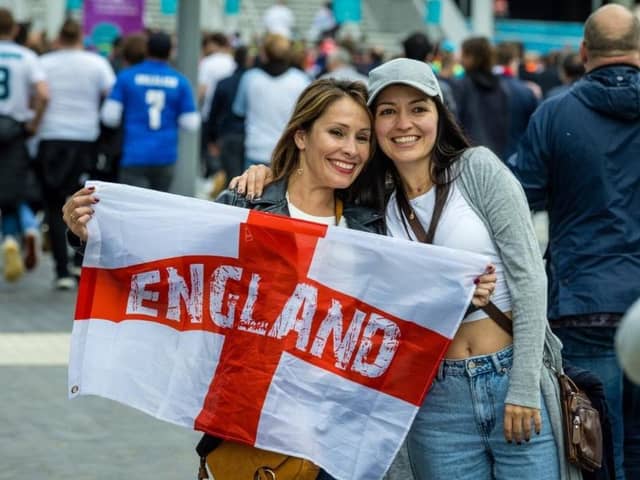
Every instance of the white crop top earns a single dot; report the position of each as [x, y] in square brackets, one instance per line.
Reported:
[459, 227]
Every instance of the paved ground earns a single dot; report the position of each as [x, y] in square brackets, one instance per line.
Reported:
[45, 435]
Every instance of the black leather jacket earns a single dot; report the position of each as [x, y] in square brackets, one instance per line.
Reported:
[273, 200]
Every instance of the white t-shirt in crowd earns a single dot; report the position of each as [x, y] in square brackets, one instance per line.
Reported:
[77, 81]
[459, 227]
[211, 70]
[279, 19]
[266, 102]
[20, 69]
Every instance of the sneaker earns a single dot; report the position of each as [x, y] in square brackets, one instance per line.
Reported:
[65, 283]
[13, 266]
[30, 249]
[75, 272]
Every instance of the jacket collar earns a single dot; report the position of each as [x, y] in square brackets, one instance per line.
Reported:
[274, 200]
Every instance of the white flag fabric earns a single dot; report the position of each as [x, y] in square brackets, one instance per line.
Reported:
[314, 341]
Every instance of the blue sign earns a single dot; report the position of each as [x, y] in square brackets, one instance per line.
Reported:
[168, 7]
[232, 7]
[538, 35]
[347, 11]
[433, 12]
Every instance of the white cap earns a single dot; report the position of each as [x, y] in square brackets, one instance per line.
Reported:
[405, 71]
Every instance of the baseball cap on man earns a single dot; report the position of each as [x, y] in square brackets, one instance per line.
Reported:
[415, 73]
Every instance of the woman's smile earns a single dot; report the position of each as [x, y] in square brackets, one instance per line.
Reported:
[406, 124]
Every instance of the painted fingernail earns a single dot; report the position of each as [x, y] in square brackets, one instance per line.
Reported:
[96, 200]
[476, 281]
[91, 187]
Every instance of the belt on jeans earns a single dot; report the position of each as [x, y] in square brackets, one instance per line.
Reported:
[498, 362]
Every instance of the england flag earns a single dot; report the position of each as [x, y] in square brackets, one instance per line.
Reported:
[314, 341]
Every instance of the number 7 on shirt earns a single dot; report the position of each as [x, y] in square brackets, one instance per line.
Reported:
[155, 99]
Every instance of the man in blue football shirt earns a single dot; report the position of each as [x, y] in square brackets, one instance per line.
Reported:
[155, 100]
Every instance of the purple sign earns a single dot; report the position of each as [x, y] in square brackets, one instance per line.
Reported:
[104, 20]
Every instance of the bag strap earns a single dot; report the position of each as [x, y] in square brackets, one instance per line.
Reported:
[438, 207]
[490, 309]
[339, 209]
[416, 226]
[499, 317]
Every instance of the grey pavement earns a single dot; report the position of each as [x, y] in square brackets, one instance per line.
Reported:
[43, 434]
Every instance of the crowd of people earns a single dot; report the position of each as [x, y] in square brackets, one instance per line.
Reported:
[449, 149]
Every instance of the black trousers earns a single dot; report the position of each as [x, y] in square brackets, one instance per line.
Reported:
[232, 154]
[14, 165]
[62, 166]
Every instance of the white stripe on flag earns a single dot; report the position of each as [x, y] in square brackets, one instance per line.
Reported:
[149, 366]
[362, 271]
[126, 210]
[305, 404]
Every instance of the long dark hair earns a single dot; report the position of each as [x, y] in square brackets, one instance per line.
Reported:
[375, 184]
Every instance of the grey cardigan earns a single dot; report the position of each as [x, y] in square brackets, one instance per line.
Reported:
[498, 199]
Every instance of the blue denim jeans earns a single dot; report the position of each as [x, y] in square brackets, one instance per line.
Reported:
[458, 432]
[592, 348]
[17, 224]
[631, 413]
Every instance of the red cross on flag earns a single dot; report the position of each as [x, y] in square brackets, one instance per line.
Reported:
[319, 342]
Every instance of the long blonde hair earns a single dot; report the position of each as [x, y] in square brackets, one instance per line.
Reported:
[311, 104]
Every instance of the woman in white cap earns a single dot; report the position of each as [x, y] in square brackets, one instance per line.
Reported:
[485, 416]
[493, 410]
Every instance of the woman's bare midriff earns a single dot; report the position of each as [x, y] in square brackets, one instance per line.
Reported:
[481, 337]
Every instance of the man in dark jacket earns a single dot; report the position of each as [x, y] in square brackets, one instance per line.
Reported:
[580, 159]
[482, 98]
[521, 99]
